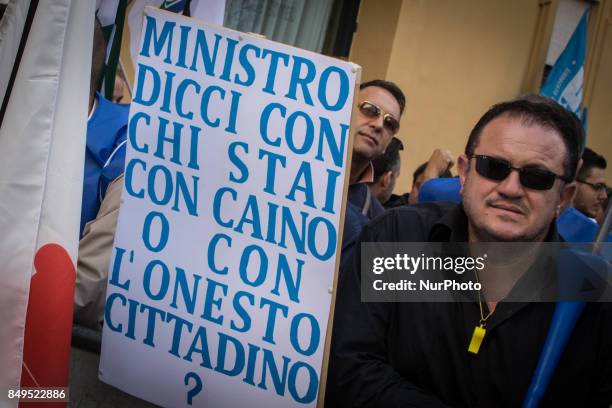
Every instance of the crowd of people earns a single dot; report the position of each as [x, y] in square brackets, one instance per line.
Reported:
[525, 162]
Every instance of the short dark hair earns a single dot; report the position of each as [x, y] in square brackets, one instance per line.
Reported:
[590, 160]
[419, 170]
[389, 86]
[543, 111]
[388, 160]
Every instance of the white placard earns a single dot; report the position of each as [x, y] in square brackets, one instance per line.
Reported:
[226, 246]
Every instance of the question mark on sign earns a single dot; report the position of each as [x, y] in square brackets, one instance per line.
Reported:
[197, 386]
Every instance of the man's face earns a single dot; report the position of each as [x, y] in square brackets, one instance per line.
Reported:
[589, 200]
[506, 210]
[372, 138]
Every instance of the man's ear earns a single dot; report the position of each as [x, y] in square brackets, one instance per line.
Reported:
[463, 167]
[568, 192]
[579, 167]
[386, 178]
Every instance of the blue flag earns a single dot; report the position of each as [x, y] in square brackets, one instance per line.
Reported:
[175, 6]
[565, 81]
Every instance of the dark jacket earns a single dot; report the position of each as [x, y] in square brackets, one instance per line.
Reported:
[415, 354]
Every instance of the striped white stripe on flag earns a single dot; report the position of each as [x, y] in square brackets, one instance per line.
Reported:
[42, 142]
[566, 79]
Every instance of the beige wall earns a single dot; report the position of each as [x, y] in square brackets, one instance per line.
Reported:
[455, 58]
[372, 43]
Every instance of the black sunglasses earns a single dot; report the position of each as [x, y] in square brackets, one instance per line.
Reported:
[598, 187]
[372, 110]
[533, 178]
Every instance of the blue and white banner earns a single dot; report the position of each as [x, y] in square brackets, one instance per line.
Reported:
[565, 81]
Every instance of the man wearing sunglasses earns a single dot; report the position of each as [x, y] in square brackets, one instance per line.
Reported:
[516, 173]
[380, 106]
[591, 189]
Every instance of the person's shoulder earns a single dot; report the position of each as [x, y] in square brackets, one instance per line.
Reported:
[431, 211]
[108, 109]
[408, 223]
[603, 309]
[354, 222]
[596, 319]
[397, 200]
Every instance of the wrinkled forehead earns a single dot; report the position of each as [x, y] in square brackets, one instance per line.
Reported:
[523, 142]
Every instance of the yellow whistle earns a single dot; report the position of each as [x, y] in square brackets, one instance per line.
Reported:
[477, 337]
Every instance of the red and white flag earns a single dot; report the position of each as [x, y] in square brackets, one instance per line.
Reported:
[45, 49]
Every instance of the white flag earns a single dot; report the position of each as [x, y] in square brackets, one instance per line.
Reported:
[42, 142]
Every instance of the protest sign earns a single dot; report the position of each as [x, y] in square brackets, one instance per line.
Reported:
[227, 242]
